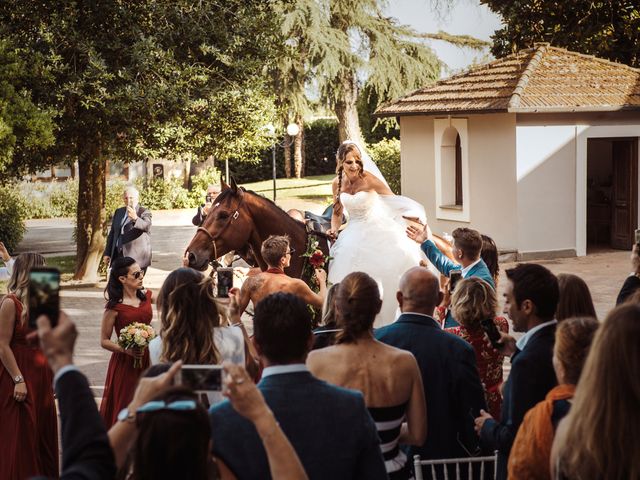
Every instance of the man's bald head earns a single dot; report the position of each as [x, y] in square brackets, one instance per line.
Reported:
[419, 291]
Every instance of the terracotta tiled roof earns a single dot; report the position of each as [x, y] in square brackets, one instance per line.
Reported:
[540, 79]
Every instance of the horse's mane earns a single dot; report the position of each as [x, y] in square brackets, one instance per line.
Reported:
[271, 205]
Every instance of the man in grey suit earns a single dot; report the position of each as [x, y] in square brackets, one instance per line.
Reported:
[329, 427]
[130, 231]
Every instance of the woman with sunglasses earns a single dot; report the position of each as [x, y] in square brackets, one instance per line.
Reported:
[165, 433]
[127, 302]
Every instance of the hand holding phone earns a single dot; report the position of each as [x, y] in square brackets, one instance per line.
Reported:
[201, 378]
[454, 277]
[489, 327]
[224, 281]
[44, 295]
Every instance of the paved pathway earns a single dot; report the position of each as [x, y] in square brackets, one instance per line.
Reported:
[604, 272]
[171, 232]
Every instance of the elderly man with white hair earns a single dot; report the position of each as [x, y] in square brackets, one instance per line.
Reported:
[130, 231]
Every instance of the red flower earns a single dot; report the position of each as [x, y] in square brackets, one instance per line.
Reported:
[317, 259]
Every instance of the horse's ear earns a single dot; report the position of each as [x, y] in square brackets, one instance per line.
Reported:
[223, 185]
[234, 185]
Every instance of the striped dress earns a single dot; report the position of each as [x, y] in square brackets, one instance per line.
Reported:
[388, 423]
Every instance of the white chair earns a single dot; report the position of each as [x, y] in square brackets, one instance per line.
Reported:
[475, 467]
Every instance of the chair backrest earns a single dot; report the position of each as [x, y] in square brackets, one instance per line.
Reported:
[456, 468]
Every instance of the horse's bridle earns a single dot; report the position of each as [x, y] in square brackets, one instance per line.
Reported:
[231, 218]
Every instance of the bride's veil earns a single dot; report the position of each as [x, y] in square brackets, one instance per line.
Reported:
[400, 206]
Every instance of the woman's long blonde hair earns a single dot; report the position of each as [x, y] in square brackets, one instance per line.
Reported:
[188, 316]
[19, 281]
[602, 438]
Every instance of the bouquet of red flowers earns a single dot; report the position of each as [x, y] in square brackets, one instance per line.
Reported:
[315, 259]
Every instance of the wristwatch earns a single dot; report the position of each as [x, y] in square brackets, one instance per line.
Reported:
[18, 379]
[126, 416]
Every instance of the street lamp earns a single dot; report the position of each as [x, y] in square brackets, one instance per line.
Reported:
[292, 130]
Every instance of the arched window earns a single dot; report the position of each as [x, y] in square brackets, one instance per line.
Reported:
[452, 186]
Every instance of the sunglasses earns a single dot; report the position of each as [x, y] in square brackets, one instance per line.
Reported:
[137, 275]
[178, 406]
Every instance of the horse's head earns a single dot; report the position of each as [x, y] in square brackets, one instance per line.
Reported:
[227, 227]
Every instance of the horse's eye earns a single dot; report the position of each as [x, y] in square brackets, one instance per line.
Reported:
[223, 216]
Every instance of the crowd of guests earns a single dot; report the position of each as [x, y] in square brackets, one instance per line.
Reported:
[342, 401]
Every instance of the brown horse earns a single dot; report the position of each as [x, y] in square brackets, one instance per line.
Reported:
[240, 218]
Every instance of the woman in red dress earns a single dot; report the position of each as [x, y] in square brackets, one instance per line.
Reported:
[475, 300]
[28, 420]
[126, 303]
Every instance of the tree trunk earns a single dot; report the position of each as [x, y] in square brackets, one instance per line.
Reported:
[90, 241]
[287, 156]
[347, 111]
[297, 149]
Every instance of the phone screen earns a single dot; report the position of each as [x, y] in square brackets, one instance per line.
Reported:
[454, 278]
[44, 295]
[201, 378]
[225, 281]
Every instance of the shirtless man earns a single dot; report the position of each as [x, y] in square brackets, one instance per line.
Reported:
[277, 253]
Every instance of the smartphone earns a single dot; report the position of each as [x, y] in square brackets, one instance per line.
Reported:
[201, 378]
[637, 236]
[489, 327]
[225, 281]
[454, 278]
[130, 202]
[44, 294]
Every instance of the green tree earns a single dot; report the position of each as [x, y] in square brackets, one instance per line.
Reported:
[339, 43]
[132, 79]
[605, 28]
[24, 127]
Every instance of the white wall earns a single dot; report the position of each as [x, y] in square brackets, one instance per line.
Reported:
[546, 172]
[492, 193]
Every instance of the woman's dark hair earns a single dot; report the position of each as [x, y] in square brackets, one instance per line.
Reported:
[489, 255]
[575, 298]
[114, 292]
[172, 443]
[357, 304]
[188, 317]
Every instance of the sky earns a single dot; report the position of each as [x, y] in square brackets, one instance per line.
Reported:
[465, 17]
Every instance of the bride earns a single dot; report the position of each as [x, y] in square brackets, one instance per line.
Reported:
[374, 240]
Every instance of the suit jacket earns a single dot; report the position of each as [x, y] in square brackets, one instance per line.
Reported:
[135, 242]
[328, 426]
[199, 217]
[452, 386]
[530, 379]
[86, 452]
[445, 266]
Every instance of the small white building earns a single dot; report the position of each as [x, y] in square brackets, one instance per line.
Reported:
[538, 150]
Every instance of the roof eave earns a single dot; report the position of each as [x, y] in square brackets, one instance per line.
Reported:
[595, 108]
[431, 113]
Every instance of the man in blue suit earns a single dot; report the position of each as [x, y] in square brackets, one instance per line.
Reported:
[329, 427]
[467, 245]
[531, 298]
[452, 386]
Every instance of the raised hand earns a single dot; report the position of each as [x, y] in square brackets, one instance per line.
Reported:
[419, 235]
[131, 212]
[321, 275]
[4, 254]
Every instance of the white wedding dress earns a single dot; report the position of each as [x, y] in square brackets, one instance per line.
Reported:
[374, 242]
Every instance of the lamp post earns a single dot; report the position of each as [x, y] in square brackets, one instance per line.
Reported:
[292, 130]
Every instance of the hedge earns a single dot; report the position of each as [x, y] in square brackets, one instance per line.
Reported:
[12, 213]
